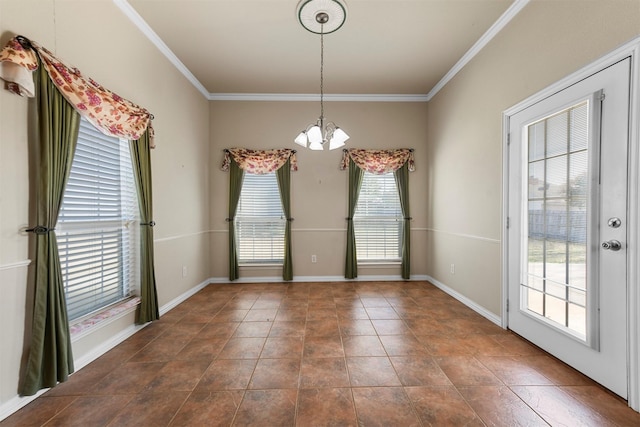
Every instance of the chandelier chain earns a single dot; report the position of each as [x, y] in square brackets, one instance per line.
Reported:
[322, 72]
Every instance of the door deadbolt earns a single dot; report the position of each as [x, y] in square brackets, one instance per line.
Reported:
[612, 245]
[614, 222]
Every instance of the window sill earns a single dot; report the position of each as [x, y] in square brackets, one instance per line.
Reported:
[381, 264]
[102, 318]
[248, 265]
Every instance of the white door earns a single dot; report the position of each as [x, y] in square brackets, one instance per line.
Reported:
[567, 235]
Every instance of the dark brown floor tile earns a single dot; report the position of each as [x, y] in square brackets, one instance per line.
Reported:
[282, 348]
[182, 330]
[514, 370]
[326, 407]
[384, 406]
[276, 406]
[466, 371]
[371, 372]
[276, 373]
[129, 378]
[483, 345]
[261, 315]
[266, 304]
[321, 313]
[162, 349]
[322, 328]
[356, 327]
[323, 347]
[558, 408]
[178, 375]
[444, 345]
[347, 301]
[362, 345]
[442, 406]
[402, 345]
[229, 315]
[499, 406]
[390, 327]
[90, 410]
[419, 370]
[215, 409]
[217, 329]
[558, 372]
[252, 330]
[428, 326]
[517, 346]
[382, 313]
[242, 348]
[375, 302]
[292, 314]
[202, 349]
[233, 374]
[294, 328]
[150, 409]
[605, 403]
[323, 372]
[352, 313]
[38, 412]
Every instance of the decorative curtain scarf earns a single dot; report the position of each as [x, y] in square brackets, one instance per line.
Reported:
[400, 162]
[378, 162]
[259, 162]
[112, 114]
[237, 161]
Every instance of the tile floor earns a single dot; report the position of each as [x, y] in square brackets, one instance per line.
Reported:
[325, 354]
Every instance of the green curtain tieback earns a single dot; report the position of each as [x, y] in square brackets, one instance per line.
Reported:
[229, 219]
[150, 223]
[39, 229]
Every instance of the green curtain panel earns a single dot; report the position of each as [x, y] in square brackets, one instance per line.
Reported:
[355, 182]
[141, 160]
[236, 176]
[284, 185]
[50, 358]
[402, 182]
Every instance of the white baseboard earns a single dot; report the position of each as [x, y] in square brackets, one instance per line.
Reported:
[466, 301]
[181, 298]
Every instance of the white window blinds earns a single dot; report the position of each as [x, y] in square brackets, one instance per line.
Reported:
[260, 221]
[97, 227]
[378, 219]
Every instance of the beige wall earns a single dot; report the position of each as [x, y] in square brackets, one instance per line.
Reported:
[319, 188]
[545, 42]
[83, 33]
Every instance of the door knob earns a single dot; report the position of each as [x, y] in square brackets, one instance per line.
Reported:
[612, 245]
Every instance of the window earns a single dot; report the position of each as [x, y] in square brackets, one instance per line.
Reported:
[260, 221]
[378, 219]
[97, 227]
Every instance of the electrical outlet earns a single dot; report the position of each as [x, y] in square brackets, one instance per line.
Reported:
[184, 271]
[314, 259]
[453, 269]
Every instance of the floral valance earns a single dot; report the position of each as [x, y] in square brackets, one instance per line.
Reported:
[259, 161]
[112, 114]
[378, 162]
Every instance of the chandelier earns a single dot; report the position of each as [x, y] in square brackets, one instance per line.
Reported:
[322, 17]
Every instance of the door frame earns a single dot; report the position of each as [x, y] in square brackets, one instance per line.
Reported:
[630, 50]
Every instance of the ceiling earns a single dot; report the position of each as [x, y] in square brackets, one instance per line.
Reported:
[257, 47]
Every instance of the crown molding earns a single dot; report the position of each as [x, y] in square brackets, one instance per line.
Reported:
[497, 26]
[354, 97]
[142, 25]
